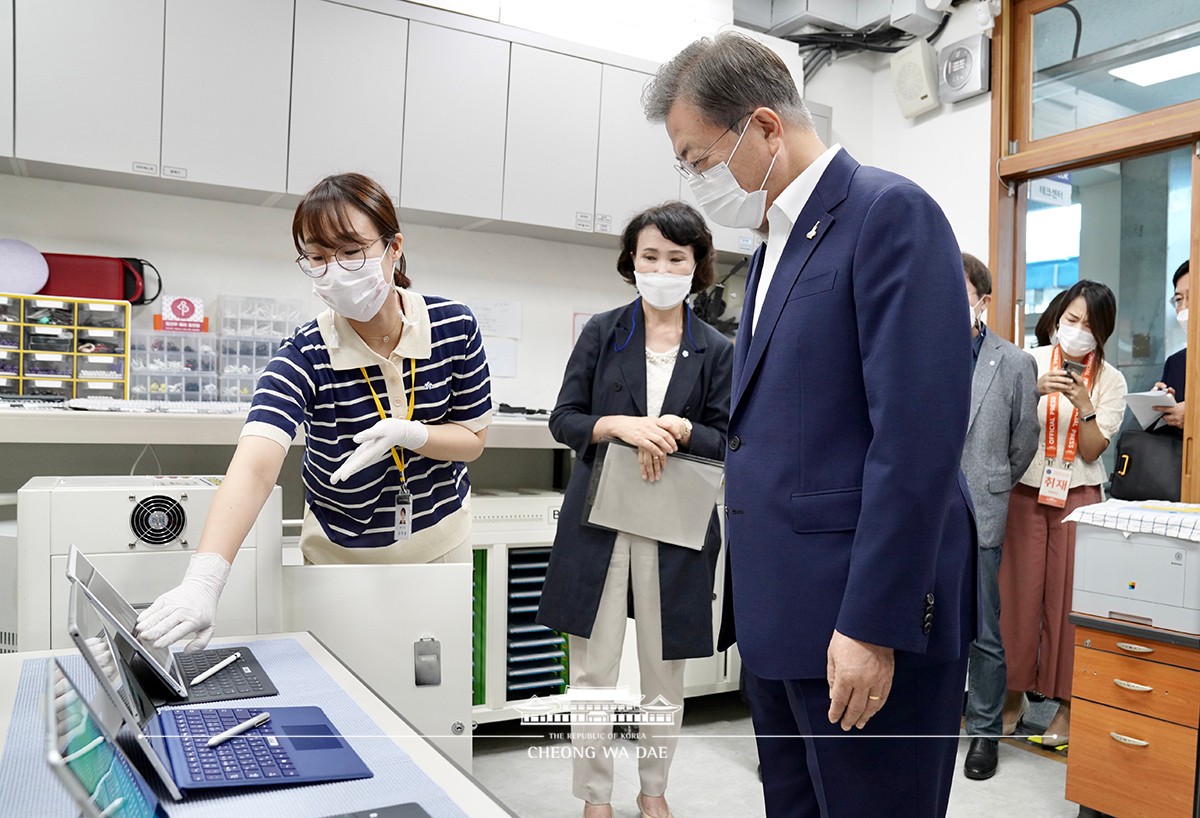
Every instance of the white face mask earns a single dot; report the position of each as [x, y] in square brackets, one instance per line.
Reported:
[663, 290]
[976, 320]
[1182, 317]
[357, 294]
[723, 199]
[1075, 341]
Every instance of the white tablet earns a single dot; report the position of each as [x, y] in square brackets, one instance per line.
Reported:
[123, 618]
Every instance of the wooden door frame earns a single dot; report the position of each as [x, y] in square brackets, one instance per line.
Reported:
[1016, 158]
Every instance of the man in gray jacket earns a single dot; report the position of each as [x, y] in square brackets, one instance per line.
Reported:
[1001, 441]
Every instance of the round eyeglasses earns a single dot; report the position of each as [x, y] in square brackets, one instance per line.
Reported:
[350, 258]
[690, 169]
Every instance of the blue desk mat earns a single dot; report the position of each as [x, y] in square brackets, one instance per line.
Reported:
[28, 789]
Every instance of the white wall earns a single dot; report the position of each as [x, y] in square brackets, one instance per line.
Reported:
[946, 150]
[207, 248]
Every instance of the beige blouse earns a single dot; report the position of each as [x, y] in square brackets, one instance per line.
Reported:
[1108, 396]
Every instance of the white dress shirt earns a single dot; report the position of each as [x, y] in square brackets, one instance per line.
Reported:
[781, 218]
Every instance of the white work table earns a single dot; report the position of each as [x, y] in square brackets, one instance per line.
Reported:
[20, 425]
[460, 787]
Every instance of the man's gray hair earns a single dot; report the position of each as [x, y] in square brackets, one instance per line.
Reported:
[726, 77]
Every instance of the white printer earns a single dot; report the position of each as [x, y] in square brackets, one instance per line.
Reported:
[1138, 562]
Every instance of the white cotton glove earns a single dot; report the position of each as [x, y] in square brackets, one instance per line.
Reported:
[190, 608]
[375, 443]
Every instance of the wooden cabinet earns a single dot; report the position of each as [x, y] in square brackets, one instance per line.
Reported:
[348, 73]
[226, 78]
[6, 77]
[1134, 715]
[89, 83]
[635, 167]
[454, 122]
[553, 125]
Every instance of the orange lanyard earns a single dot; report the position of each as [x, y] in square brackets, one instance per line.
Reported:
[1072, 446]
[412, 397]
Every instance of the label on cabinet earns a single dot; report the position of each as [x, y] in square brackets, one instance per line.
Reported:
[583, 221]
[174, 173]
[54, 305]
[602, 227]
[746, 244]
[52, 358]
[145, 167]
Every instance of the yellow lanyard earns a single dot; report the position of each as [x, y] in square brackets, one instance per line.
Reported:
[412, 396]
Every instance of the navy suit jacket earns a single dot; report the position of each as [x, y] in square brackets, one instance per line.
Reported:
[846, 507]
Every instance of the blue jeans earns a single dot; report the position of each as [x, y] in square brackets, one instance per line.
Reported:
[987, 677]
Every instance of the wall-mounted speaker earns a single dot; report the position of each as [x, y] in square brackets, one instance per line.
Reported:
[914, 78]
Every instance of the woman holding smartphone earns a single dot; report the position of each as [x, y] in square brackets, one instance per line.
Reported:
[1081, 407]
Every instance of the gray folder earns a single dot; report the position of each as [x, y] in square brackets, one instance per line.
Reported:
[675, 509]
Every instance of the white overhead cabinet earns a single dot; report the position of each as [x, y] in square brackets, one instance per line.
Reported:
[553, 124]
[226, 78]
[6, 77]
[635, 168]
[348, 69]
[89, 83]
[454, 122]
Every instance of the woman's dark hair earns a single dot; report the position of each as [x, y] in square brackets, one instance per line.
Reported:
[323, 216]
[681, 224]
[1048, 321]
[1183, 270]
[1101, 313]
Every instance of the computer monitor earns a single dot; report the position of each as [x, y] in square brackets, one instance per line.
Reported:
[86, 758]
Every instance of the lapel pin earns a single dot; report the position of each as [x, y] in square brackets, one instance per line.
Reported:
[685, 353]
[812, 233]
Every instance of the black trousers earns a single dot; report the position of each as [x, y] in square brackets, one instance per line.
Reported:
[901, 765]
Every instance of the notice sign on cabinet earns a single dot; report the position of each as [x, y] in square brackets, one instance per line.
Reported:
[181, 314]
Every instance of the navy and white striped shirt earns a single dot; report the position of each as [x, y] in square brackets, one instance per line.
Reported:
[315, 380]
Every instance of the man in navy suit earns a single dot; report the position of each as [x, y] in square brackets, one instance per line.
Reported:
[850, 531]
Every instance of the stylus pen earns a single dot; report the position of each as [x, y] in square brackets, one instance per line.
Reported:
[237, 730]
[221, 665]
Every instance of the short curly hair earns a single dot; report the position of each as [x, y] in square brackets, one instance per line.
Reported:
[679, 223]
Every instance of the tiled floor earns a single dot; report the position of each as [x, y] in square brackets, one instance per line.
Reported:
[715, 772]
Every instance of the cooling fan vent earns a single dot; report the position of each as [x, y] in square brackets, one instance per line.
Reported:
[158, 520]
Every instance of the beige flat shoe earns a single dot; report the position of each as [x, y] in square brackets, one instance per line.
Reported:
[645, 814]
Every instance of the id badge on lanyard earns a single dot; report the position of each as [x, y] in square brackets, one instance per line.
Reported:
[1056, 477]
[402, 526]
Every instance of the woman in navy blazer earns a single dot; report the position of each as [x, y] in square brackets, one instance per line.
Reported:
[656, 377]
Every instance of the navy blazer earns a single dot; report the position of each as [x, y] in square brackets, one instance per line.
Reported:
[606, 375]
[1175, 373]
[846, 507]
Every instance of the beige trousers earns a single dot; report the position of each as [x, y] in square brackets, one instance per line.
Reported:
[595, 662]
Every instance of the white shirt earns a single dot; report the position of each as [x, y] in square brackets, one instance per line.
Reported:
[781, 218]
[659, 366]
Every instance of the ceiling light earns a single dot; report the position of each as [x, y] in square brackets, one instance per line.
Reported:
[1160, 69]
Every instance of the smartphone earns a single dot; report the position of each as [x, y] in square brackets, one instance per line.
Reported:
[1074, 368]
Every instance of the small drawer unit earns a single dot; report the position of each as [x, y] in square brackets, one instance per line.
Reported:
[49, 339]
[47, 365]
[243, 359]
[173, 366]
[1134, 714]
[49, 345]
[99, 389]
[10, 386]
[47, 388]
[255, 316]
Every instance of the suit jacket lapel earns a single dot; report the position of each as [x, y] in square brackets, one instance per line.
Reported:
[688, 364]
[985, 371]
[631, 353]
[828, 194]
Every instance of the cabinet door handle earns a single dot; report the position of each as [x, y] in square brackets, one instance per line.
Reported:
[1132, 648]
[1137, 688]
[1135, 742]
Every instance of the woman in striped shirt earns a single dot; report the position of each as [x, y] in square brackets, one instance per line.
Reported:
[393, 392]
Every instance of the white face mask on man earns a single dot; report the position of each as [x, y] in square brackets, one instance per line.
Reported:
[358, 294]
[1074, 340]
[1182, 318]
[663, 290]
[723, 199]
